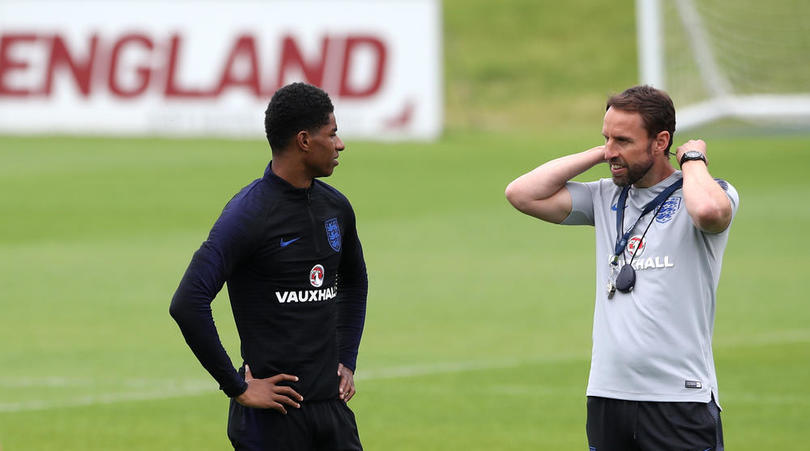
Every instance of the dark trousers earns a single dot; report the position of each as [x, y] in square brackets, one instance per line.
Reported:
[320, 425]
[619, 425]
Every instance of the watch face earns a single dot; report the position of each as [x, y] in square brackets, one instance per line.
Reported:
[692, 155]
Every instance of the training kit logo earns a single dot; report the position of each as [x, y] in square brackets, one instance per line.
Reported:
[316, 276]
[668, 210]
[333, 233]
[638, 262]
[632, 244]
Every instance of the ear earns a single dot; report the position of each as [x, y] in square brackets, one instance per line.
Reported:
[661, 141]
[303, 140]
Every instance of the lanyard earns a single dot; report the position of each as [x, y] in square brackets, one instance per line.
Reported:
[621, 238]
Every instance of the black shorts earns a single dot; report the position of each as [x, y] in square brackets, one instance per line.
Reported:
[618, 425]
[318, 425]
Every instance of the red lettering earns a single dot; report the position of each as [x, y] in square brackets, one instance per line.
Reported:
[291, 58]
[132, 66]
[244, 49]
[7, 64]
[82, 71]
[172, 89]
[354, 43]
[143, 71]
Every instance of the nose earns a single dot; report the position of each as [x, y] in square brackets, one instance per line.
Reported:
[610, 150]
[339, 145]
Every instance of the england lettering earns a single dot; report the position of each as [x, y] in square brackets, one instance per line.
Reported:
[139, 63]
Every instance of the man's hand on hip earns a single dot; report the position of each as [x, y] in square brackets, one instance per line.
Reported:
[346, 387]
[267, 394]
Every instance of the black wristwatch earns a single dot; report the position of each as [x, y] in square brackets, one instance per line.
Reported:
[692, 155]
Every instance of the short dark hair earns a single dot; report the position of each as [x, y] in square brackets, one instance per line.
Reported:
[293, 108]
[654, 105]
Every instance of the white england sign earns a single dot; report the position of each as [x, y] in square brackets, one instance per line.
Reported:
[209, 68]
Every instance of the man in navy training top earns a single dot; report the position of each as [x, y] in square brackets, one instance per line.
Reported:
[287, 246]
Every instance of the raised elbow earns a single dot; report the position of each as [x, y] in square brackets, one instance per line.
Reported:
[516, 197]
[712, 218]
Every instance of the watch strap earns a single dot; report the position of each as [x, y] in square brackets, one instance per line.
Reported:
[691, 155]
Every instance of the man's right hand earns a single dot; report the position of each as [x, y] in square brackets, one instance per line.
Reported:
[267, 394]
[542, 193]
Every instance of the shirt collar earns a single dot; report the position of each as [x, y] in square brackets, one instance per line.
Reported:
[271, 177]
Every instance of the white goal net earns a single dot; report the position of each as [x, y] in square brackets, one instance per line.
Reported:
[745, 59]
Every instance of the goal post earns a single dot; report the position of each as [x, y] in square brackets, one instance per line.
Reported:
[743, 59]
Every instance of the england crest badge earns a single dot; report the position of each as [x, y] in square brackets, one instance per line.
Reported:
[668, 210]
[333, 233]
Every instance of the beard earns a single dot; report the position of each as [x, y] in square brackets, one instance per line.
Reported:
[636, 170]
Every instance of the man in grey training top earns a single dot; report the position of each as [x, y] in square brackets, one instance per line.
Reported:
[660, 237]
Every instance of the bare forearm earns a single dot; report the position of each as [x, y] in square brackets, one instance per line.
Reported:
[547, 179]
[705, 200]
[540, 192]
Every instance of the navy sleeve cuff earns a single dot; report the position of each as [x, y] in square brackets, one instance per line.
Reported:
[235, 390]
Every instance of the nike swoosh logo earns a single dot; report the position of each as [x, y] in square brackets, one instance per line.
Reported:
[613, 207]
[287, 243]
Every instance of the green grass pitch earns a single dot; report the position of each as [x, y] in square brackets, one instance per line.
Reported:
[479, 318]
[478, 328]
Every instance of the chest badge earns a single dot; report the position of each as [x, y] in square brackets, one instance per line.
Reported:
[635, 243]
[333, 233]
[668, 210]
[316, 276]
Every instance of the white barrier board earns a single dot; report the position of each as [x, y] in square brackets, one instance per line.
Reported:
[195, 68]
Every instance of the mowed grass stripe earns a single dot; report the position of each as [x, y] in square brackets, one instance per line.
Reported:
[152, 389]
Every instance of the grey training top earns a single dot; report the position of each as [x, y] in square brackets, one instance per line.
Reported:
[654, 343]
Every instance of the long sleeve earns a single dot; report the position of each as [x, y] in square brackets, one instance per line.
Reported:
[352, 293]
[210, 267]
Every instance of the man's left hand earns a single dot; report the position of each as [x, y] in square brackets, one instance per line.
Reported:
[692, 144]
[346, 387]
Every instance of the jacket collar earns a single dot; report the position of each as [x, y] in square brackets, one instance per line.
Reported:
[284, 185]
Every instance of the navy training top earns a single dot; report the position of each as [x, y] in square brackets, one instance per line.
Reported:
[296, 281]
